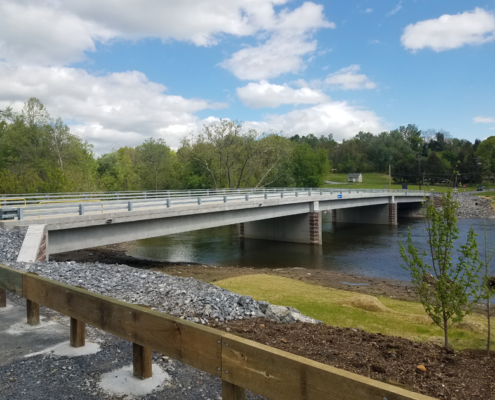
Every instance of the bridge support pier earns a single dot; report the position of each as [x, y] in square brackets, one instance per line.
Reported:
[385, 214]
[301, 228]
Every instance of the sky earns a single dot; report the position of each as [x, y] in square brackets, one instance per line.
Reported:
[121, 71]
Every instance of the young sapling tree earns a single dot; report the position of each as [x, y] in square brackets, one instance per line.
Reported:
[448, 291]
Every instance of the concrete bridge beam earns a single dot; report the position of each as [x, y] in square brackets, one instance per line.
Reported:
[303, 228]
[384, 214]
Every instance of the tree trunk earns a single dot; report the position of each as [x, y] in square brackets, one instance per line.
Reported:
[445, 331]
[488, 316]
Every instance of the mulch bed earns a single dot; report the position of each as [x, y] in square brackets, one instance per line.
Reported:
[458, 375]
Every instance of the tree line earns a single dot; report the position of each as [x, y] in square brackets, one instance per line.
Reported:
[415, 156]
[40, 154]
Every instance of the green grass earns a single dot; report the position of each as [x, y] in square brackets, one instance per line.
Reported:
[405, 319]
[378, 181]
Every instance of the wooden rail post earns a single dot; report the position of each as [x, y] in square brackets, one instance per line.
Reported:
[77, 333]
[3, 298]
[141, 361]
[33, 313]
[232, 392]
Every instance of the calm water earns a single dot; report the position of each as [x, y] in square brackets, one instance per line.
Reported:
[370, 250]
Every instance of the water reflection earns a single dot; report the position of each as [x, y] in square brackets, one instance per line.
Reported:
[356, 249]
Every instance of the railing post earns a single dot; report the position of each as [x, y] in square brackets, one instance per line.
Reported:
[141, 361]
[19, 214]
[266, 195]
[199, 200]
[129, 206]
[296, 193]
[33, 313]
[188, 193]
[224, 198]
[81, 209]
[168, 202]
[232, 392]
[3, 298]
[77, 333]
[282, 195]
[247, 197]
[309, 192]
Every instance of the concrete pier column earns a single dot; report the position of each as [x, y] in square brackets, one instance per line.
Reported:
[301, 228]
[392, 211]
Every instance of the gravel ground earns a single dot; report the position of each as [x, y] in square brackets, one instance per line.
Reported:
[471, 206]
[10, 244]
[50, 377]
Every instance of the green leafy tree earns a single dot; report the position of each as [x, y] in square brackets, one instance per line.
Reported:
[486, 155]
[310, 167]
[448, 291]
[229, 156]
[154, 155]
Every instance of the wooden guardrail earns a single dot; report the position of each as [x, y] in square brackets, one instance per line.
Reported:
[241, 364]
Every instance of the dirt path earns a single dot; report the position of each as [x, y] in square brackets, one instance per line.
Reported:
[115, 254]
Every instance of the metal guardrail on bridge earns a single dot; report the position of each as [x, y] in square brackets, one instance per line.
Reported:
[65, 204]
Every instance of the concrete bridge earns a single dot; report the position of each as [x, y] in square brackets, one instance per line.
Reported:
[292, 215]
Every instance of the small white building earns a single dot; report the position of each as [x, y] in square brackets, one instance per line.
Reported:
[355, 178]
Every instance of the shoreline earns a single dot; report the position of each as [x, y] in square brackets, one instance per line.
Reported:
[374, 286]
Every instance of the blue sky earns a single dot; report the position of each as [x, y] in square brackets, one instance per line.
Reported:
[122, 71]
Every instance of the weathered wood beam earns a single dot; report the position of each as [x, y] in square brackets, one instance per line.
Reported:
[232, 392]
[277, 374]
[11, 279]
[3, 298]
[191, 343]
[77, 333]
[33, 313]
[141, 361]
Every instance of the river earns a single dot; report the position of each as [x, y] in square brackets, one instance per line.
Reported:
[370, 250]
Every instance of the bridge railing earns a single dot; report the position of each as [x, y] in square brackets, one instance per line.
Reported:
[143, 200]
[241, 364]
[21, 200]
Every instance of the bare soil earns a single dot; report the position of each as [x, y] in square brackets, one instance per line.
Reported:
[421, 367]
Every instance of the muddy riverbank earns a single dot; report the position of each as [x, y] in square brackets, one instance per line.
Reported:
[115, 254]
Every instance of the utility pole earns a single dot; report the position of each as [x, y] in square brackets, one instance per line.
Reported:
[389, 177]
[419, 169]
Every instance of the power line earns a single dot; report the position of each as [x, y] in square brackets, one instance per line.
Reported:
[99, 141]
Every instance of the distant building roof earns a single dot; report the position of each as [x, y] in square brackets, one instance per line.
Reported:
[354, 175]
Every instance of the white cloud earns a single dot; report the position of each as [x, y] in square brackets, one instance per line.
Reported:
[51, 32]
[339, 118]
[283, 52]
[484, 120]
[35, 33]
[395, 10]
[344, 79]
[124, 108]
[368, 10]
[265, 94]
[349, 79]
[280, 54]
[450, 31]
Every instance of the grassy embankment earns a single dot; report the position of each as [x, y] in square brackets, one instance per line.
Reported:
[335, 307]
[378, 181]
